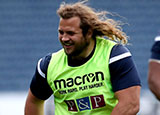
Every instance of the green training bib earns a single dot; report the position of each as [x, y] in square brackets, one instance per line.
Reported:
[85, 89]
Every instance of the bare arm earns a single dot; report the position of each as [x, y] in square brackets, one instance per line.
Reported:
[154, 78]
[128, 101]
[34, 106]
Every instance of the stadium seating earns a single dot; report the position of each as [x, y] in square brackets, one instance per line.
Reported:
[28, 31]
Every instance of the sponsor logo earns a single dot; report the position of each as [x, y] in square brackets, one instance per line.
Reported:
[85, 103]
[97, 101]
[78, 80]
[71, 105]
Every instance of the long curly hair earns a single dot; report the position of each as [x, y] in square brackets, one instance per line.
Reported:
[91, 19]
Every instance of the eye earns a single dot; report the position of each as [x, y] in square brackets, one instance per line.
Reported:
[61, 32]
[70, 33]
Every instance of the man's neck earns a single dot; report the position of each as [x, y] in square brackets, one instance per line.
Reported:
[81, 60]
[86, 53]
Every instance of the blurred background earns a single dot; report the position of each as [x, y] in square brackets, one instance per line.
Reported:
[28, 31]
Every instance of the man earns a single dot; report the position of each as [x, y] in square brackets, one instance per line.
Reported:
[154, 69]
[90, 75]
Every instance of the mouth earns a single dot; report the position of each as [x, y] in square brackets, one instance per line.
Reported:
[67, 45]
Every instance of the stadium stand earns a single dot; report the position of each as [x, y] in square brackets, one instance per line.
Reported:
[28, 31]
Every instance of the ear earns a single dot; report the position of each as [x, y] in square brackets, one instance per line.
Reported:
[89, 33]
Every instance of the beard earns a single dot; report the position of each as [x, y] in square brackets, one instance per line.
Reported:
[78, 48]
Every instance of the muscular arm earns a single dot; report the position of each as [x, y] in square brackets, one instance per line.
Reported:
[154, 68]
[154, 78]
[34, 106]
[128, 101]
[125, 82]
[39, 89]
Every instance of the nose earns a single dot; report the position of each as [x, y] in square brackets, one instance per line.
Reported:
[64, 37]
